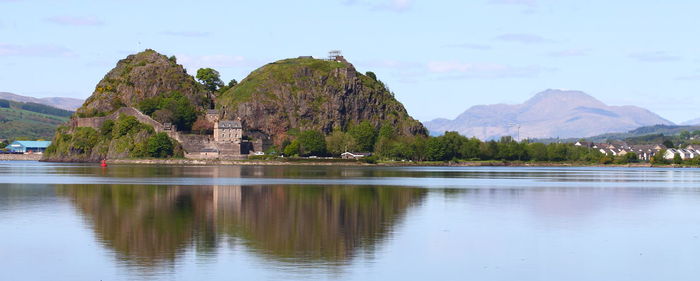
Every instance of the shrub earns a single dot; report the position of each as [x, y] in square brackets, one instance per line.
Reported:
[369, 159]
[292, 148]
[107, 127]
[124, 125]
[84, 139]
[159, 146]
[171, 107]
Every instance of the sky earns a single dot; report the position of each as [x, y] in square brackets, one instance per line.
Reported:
[438, 57]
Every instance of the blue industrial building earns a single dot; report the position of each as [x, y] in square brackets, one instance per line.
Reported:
[28, 146]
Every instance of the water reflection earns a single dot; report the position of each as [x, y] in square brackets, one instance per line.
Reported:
[153, 225]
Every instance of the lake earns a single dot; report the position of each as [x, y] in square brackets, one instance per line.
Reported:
[84, 222]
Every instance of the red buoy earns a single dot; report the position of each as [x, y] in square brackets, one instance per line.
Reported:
[103, 163]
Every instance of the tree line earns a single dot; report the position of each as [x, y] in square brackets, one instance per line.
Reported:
[386, 144]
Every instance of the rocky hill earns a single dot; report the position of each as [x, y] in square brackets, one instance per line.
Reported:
[147, 79]
[312, 94]
[145, 75]
[552, 113]
[288, 95]
[58, 102]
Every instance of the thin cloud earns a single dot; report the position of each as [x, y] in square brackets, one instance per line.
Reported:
[470, 46]
[395, 64]
[34, 50]
[528, 3]
[215, 61]
[186, 33]
[695, 77]
[75, 21]
[658, 56]
[455, 69]
[570, 53]
[523, 38]
[387, 5]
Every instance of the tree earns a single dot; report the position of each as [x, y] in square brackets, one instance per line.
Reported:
[537, 151]
[658, 158]
[230, 85]
[312, 143]
[339, 142]
[684, 135]
[163, 116]
[371, 74]
[470, 149]
[677, 159]
[436, 149]
[630, 157]
[171, 107]
[203, 126]
[159, 146]
[365, 136]
[387, 131]
[210, 78]
[292, 148]
[668, 143]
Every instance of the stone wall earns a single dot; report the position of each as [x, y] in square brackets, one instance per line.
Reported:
[96, 122]
[20, 157]
[195, 146]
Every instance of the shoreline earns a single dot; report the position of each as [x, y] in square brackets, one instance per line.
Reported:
[380, 164]
[347, 163]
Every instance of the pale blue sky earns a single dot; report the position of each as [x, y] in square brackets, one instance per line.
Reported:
[439, 57]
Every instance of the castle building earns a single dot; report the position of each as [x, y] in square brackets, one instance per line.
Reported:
[228, 131]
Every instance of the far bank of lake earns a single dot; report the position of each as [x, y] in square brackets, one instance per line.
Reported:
[346, 162]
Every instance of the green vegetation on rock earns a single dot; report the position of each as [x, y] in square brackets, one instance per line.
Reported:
[312, 94]
[126, 137]
[172, 107]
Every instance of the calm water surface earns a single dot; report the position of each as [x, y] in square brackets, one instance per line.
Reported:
[82, 222]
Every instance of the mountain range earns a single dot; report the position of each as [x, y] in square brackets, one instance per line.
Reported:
[59, 102]
[549, 114]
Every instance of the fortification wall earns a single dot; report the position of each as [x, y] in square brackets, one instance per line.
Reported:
[96, 122]
[195, 146]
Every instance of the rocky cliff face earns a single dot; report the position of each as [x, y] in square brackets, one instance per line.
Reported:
[312, 94]
[138, 77]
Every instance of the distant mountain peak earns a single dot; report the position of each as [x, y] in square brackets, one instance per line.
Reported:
[550, 113]
[58, 102]
[574, 98]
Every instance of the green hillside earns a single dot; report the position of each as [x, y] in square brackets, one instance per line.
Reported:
[642, 135]
[30, 120]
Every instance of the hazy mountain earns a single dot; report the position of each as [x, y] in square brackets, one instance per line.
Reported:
[552, 113]
[695, 121]
[59, 102]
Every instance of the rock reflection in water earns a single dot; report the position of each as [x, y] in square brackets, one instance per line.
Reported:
[151, 225]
